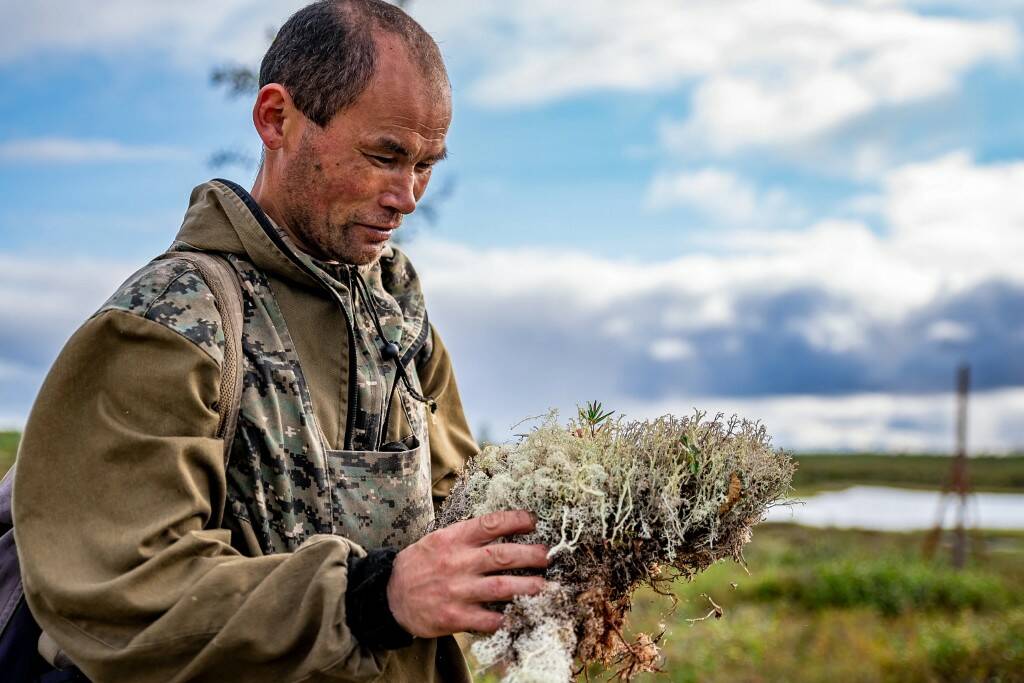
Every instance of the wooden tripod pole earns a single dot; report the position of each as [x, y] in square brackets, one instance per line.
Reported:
[958, 485]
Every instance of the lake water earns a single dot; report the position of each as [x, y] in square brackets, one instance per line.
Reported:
[894, 509]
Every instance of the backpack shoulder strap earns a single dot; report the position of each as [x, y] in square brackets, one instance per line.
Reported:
[222, 279]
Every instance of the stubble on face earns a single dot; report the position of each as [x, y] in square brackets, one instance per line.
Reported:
[323, 236]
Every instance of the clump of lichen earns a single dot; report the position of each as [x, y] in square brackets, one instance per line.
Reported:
[621, 504]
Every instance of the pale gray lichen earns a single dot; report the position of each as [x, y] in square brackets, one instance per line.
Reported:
[620, 504]
[536, 652]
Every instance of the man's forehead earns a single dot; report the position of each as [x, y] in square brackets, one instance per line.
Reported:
[404, 95]
[425, 131]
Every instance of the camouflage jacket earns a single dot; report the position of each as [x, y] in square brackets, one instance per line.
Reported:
[332, 455]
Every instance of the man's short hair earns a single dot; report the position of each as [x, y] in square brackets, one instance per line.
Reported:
[325, 54]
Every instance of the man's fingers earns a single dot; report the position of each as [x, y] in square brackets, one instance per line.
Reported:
[484, 529]
[480, 620]
[505, 556]
[503, 588]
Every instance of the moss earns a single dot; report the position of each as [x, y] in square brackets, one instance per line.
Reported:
[620, 505]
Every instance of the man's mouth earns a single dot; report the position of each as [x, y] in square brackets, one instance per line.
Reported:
[377, 232]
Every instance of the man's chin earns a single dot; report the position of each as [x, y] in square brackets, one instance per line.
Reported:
[354, 252]
[363, 255]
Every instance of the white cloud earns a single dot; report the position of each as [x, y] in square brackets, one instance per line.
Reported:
[836, 331]
[870, 159]
[714, 310]
[730, 112]
[853, 60]
[761, 77]
[721, 195]
[862, 205]
[75, 151]
[948, 331]
[43, 300]
[670, 349]
[866, 422]
[952, 224]
[828, 311]
[958, 220]
[191, 31]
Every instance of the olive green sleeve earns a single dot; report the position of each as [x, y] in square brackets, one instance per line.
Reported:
[451, 441]
[118, 476]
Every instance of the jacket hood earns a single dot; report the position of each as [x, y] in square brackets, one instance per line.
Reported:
[224, 217]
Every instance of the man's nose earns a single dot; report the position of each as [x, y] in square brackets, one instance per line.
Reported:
[401, 196]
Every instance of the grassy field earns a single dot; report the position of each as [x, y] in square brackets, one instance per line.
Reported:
[838, 606]
[8, 447]
[849, 606]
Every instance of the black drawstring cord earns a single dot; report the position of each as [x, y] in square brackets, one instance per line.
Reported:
[390, 350]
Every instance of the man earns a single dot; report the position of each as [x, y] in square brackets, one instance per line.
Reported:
[143, 555]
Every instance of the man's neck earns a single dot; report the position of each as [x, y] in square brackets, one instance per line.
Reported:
[262, 192]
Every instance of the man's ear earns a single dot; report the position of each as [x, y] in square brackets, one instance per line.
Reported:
[274, 115]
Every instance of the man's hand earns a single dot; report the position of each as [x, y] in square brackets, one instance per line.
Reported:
[440, 583]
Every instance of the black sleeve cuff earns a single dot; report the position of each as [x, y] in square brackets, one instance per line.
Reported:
[367, 611]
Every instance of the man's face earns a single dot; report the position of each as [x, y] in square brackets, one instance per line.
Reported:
[346, 187]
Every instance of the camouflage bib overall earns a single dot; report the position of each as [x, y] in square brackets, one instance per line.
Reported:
[284, 483]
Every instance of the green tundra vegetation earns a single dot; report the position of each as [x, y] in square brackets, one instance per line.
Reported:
[8, 447]
[840, 606]
[845, 605]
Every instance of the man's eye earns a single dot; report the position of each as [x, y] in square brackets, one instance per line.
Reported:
[424, 167]
[381, 159]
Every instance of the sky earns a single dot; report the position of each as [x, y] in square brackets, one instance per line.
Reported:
[807, 216]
